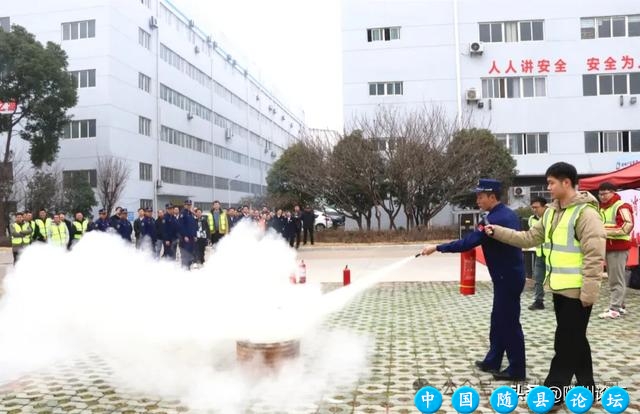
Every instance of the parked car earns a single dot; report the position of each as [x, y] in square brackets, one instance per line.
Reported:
[322, 221]
[337, 219]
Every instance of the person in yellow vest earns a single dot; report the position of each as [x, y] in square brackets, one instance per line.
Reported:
[28, 218]
[20, 235]
[80, 226]
[574, 241]
[58, 232]
[618, 224]
[41, 228]
[539, 206]
[218, 223]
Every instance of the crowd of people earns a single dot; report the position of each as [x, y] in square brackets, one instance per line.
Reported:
[185, 229]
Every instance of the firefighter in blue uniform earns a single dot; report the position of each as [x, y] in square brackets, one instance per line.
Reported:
[188, 230]
[170, 233]
[123, 226]
[148, 229]
[102, 224]
[506, 267]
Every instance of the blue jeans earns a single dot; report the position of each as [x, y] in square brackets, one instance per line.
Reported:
[539, 270]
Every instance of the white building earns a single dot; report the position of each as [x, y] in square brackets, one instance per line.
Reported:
[556, 81]
[156, 91]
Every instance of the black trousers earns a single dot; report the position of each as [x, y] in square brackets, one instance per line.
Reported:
[201, 245]
[573, 353]
[215, 237]
[308, 230]
[298, 237]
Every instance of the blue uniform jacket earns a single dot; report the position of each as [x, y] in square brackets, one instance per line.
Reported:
[124, 229]
[170, 228]
[148, 228]
[188, 226]
[101, 224]
[503, 261]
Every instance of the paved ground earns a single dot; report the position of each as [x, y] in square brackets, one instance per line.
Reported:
[422, 329]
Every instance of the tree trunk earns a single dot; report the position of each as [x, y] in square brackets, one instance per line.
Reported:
[378, 214]
[359, 221]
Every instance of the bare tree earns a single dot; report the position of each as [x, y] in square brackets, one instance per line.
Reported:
[113, 174]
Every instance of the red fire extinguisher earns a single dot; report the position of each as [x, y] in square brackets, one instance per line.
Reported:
[468, 272]
[346, 276]
[302, 272]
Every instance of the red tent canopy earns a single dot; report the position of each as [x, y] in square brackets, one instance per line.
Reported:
[628, 177]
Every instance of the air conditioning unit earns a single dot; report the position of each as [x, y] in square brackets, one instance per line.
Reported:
[209, 40]
[472, 95]
[282, 118]
[273, 154]
[196, 49]
[476, 48]
[520, 192]
[191, 23]
[189, 116]
[246, 73]
[159, 183]
[229, 58]
[228, 133]
[153, 22]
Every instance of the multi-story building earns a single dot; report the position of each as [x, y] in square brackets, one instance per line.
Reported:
[557, 81]
[158, 92]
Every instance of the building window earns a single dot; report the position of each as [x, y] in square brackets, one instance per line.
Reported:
[386, 88]
[527, 143]
[84, 78]
[145, 172]
[144, 82]
[71, 177]
[611, 141]
[79, 30]
[144, 126]
[383, 34]
[146, 3]
[609, 26]
[5, 24]
[518, 31]
[144, 39]
[181, 101]
[611, 84]
[85, 128]
[181, 139]
[514, 87]
[146, 203]
[181, 177]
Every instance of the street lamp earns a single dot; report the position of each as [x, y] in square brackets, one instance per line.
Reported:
[229, 190]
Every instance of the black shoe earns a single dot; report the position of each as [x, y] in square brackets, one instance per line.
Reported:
[482, 367]
[537, 305]
[505, 376]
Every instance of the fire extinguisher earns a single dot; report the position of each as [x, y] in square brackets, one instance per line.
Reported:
[346, 276]
[468, 272]
[302, 272]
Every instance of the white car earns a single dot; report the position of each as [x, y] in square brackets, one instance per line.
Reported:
[322, 221]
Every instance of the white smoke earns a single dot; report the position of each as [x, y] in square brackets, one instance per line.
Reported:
[171, 332]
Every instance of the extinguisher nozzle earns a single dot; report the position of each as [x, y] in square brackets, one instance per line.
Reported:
[418, 255]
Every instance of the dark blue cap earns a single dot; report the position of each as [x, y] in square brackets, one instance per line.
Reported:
[124, 210]
[148, 209]
[102, 211]
[167, 206]
[187, 202]
[488, 185]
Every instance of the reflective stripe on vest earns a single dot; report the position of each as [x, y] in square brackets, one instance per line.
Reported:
[19, 241]
[609, 217]
[81, 229]
[532, 222]
[562, 250]
[59, 234]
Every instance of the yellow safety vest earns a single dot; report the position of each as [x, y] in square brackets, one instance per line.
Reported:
[81, 229]
[563, 253]
[22, 240]
[609, 217]
[59, 234]
[532, 222]
[43, 226]
[222, 223]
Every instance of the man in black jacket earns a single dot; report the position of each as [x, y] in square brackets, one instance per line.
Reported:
[137, 227]
[115, 219]
[297, 219]
[157, 249]
[70, 228]
[308, 221]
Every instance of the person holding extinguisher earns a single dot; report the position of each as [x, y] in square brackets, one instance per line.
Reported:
[506, 267]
